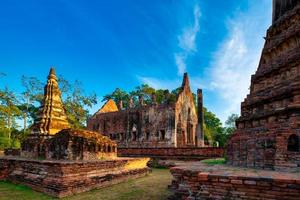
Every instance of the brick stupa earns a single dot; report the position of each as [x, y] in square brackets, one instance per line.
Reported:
[268, 130]
[51, 117]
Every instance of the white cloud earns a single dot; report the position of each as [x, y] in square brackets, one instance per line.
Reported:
[237, 59]
[234, 61]
[180, 62]
[187, 42]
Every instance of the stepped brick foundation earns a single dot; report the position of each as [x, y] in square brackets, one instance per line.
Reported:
[64, 178]
[200, 181]
[173, 153]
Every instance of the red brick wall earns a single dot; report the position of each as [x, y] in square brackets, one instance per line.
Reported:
[185, 153]
[4, 169]
[205, 185]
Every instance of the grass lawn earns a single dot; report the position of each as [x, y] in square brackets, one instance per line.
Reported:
[153, 186]
[217, 161]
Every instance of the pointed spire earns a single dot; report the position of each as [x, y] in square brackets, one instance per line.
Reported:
[52, 74]
[51, 117]
[185, 82]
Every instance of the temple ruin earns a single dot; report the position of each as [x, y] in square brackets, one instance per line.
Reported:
[52, 138]
[268, 130]
[153, 126]
[61, 161]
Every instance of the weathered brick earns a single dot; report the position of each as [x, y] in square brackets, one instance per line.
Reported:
[238, 182]
[249, 182]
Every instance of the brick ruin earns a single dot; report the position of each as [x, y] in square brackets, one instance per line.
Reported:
[268, 131]
[67, 177]
[195, 181]
[52, 138]
[61, 161]
[153, 126]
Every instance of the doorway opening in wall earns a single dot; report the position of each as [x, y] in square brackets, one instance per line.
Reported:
[162, 134]
[134, 136]
[293, 143]
[147, 136]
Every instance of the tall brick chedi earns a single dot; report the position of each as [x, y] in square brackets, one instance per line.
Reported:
[51, 117]
[268, 130]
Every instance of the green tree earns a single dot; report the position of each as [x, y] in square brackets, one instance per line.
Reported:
[30, 99]
[77, 103]
[213, 128]
[118, 95]
[230, 124]
[145, 91]
[9, 112]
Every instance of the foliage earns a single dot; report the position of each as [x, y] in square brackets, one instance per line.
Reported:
[26, 104]
[230, 124]
[30, 99]
[77, 103]
[9, 138]
[118, 95]
[213, 129]
[144, 91]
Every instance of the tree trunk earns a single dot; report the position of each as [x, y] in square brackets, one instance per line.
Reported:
[9, 126]
[25, 122]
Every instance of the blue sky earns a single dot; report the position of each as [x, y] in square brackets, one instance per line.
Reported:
[124, 43]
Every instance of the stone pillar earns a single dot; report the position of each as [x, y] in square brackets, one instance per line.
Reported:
[199, 130]
[141, 100]
[153, 98]
[120, 105]
[130, 104]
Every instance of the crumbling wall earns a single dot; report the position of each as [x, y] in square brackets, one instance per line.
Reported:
[144, 126]
[270, 113]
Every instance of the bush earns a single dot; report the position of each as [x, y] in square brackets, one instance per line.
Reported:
[4, 143]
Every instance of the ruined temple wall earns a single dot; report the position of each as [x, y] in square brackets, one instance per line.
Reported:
[144, 126]
[186, 119]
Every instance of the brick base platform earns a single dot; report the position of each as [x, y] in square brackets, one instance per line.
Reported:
[64, 178]
[195, 180]
[192, 153]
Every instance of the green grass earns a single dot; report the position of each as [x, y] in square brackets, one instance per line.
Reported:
[153, 186]
[217, 161]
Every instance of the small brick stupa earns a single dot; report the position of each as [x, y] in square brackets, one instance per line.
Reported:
[268, 130]
[51, 117]
[61, 161]
[52, 137]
